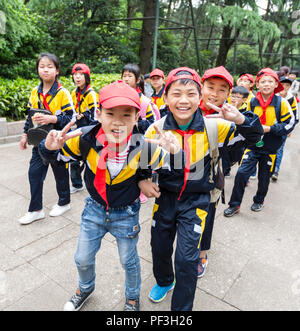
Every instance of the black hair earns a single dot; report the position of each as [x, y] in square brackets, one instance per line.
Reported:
[86, 76]
[135, 69]
[51, 57]
[146, 76]
[240, 90]
[183, 81]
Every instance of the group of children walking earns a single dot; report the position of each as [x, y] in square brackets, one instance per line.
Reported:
[168, 147]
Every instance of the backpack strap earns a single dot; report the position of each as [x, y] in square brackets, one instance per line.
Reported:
[211, 127]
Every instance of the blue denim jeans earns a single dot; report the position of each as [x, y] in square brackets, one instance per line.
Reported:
[123, 224]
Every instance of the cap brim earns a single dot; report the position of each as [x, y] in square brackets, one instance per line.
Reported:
[119, 101]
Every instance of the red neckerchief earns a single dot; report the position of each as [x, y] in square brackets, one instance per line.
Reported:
[186, 148]
[264, 105]
[80, 92]
[206, 111]
[45, 103]
[100, 177]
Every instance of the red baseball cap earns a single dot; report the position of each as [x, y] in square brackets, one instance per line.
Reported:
[272, 73]
[81, 67]
[175, 75]
[248, 76]
[219, 72]
[117, 94]
[157, 72]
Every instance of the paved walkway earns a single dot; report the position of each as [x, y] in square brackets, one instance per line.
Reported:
[254, 263]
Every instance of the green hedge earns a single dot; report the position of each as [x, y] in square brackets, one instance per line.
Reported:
[14, 94]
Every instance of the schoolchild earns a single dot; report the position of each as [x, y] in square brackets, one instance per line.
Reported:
[157, 79]
[131, 75]
[277, 118]
[115, 155]
[85, 100]
[53, 97]
[294, 103]
[183, 204]
[217, 83]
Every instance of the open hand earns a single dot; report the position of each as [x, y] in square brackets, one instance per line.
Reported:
[166, 140]
[56, 139]
[227, 112]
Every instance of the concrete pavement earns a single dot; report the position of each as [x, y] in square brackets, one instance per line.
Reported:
[254, 263]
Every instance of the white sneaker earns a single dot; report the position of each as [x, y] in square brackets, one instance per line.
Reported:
[59, 210]
[75, 189]
[32, 216]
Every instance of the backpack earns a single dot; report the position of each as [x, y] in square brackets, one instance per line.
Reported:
[211, 127]
[145, 102]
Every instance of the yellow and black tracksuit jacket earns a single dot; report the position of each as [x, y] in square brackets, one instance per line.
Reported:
[158, 99]
[295, 105]
[86, 103]
[59, 101]
[123, 189]
[228, 135]
[280, 117]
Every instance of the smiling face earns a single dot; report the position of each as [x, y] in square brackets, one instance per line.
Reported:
[245, 82]
[215, 90]
[267, 85]
[47, 70]
[157, 82]
[182, 100]
[117, 122]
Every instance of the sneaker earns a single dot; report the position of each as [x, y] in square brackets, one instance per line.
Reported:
[77, 301]
[31, 217]
[257, 206]
[275, 176]
[143, 198]
[202, 266]
[231, 211]
[158, 293]
[59, 210]
[75, 189]
[130, 307]
[253, 177]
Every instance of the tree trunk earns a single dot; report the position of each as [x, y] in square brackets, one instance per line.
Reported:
[147, 36]
[225, 44]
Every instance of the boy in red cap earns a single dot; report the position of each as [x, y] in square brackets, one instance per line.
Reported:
[277, 119]
[157, 79]
[85, 100]
[183, 205]
[115, 159]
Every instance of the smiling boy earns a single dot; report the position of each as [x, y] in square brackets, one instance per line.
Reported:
[277, 119]
[183, 204]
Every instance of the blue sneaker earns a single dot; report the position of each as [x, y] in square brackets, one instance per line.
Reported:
[158, 293]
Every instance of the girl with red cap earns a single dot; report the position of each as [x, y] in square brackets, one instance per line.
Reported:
[277, 119]
[86, 104]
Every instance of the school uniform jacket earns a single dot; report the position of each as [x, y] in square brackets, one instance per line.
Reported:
[87, 105]
[200, 161]
[280, 117]
[158, 99]
[60, 104]
[123, 189]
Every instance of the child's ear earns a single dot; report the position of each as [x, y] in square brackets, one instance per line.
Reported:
[137, 115]
[98, 114]
[165, 99]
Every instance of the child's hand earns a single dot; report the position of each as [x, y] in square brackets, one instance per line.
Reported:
[23, 142]
[56, 139]
[79, 116]
[150, 189]
[266, 128]
[42, 119]
[166, 140]
[228, 112]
